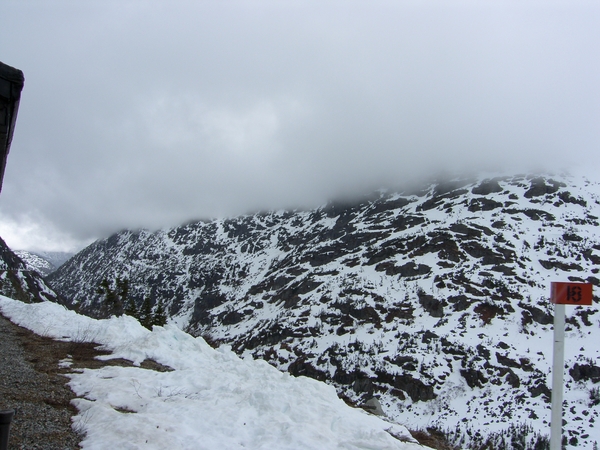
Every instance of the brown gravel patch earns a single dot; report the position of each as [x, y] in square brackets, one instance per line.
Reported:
[33, 384]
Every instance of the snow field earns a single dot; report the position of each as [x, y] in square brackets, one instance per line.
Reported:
[211, 400]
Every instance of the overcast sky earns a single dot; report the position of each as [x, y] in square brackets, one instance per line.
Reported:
[153, 113]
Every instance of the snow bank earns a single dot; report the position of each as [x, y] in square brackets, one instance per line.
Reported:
[211, 400]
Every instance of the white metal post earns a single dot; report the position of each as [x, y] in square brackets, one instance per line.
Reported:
[558, 364]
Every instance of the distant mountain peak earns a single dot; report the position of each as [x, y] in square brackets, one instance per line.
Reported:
[43, 262]
[20, 282]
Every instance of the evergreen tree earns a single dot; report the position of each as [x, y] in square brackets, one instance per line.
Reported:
[123, 289]
[160, 316]
[113, 304]
[145, 316]
[131, 308]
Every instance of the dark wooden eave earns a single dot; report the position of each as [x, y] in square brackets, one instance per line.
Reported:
[11, 85]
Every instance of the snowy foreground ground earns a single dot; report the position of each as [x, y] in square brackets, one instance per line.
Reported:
[212, 400]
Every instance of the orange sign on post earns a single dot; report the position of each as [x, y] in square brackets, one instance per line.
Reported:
[562, 294]
[571, 293]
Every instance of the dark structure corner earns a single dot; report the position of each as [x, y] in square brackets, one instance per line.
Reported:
[11, 85]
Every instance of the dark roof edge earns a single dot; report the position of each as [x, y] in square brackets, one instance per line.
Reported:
[10, 73]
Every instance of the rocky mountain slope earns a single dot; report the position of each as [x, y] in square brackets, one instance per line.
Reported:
[433, 300]
[19, 281]
[43, 262]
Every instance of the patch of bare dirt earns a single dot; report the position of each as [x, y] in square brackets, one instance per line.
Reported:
[35, 386]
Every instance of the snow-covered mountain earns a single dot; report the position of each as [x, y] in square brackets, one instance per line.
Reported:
[434, 300]
[19, 281]
[43, 262]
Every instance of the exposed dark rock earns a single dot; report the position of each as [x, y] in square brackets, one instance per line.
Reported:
[538, 214]
[441, 242]
[404, 222]
[428, 336]
[505, 270]
[473, 377]
[465, 230]
[533, 214]
[539, 188]
[483, 204]
[231, 317]
[387, 205]
[410, 269]
[401, 360]
[572, 237]
[589, 256]
[584, 372]
[460, 302]
[432, 305]
[400, 311]
[554, 264]
[451, 348]
[540, 389]
[291, 295]
[272, 334]
[487, 187]
[442, 193]
[506, 361]
[416, 389]
[532, 313]
[364, 313]
[363, 385]
[483, 352]
[566, 197]
[513, 380]
[303, 367]
[487, 255]
[487, 311]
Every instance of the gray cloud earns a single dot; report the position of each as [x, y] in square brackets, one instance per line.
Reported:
[147, 114]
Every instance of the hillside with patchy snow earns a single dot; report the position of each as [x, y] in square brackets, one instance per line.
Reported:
[433, 300]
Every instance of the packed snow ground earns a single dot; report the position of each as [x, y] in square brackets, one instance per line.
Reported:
[211, 400]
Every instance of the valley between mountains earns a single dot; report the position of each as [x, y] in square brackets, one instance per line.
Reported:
[433, 300]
